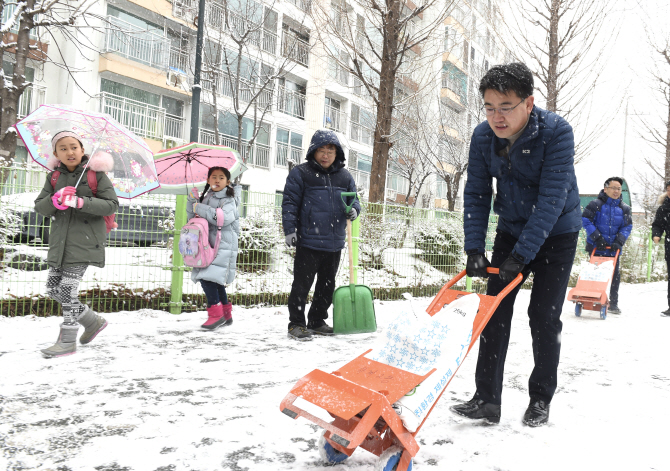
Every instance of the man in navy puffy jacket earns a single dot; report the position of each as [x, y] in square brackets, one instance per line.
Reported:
[608, 221]
[314, 220]
[530, 153]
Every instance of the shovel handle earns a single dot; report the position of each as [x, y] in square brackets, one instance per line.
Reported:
[351, 252]
[347, 194]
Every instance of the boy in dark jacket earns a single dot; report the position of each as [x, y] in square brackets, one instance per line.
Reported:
[315, 223]
[660, 225]
[530, 153]
[607, 221]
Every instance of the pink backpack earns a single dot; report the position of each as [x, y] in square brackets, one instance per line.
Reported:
[194, 241]
[92, 179]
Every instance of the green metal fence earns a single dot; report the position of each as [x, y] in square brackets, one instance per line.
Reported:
[397, 250]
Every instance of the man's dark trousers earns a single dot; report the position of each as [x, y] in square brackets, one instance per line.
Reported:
[309, 263]
[551, 267]
[616, 280]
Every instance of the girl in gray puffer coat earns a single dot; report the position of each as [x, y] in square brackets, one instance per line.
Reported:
[222, 270]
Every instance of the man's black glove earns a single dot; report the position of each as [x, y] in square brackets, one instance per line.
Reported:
[616, 246]
[511, 267]
[476, 266]
[601, 243]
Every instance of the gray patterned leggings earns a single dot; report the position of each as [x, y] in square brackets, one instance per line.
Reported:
[63, 286]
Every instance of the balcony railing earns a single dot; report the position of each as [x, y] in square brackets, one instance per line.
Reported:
[304, 5]
[178, 61]
[174, 127]
[257, 155]
[143, 119]
[135, 43]
[32, 97]
[283, 153]
[362, 179]
[290, 102]
[247, 90]
[239, 25]
[295, 48]
[334, 119]
[362, 134]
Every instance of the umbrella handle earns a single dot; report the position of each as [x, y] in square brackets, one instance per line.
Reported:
[351, 252]
[104, 131]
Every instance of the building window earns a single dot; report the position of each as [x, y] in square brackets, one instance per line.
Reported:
[289, 146]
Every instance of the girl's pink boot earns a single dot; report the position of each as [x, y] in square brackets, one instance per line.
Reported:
[228, 314]
[215, 317]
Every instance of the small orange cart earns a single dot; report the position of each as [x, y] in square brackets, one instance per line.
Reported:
[359, 396]
[593, 294]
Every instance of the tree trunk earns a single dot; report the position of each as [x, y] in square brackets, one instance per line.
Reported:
[552, 68]
[380, 151]
[453, 190]
[10, 97]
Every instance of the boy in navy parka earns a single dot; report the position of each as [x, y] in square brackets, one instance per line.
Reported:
[607, 221]
[315, 223]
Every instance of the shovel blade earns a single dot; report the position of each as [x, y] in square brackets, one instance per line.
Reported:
[353, 310]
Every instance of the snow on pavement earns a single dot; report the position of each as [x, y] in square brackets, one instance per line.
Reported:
[154, 393]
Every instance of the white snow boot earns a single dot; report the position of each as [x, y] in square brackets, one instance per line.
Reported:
[93, 324]
[66, 343]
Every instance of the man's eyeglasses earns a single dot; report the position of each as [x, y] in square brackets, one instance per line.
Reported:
[615, 188]
[327, 152]
[504, 111]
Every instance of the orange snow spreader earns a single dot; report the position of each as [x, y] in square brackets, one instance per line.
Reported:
[592, 289]
[359, 396]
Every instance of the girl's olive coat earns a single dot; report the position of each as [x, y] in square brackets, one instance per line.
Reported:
[78, 236]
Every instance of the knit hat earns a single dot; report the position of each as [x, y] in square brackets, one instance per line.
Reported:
[60, 135]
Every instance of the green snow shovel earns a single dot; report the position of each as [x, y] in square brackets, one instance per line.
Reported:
[353, 309]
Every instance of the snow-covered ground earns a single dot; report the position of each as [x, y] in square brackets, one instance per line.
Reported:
[153, 392]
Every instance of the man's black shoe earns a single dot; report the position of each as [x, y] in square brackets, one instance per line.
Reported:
[477, 409]
[537, 413]
[320, 329]
[614, 310]
[299, 332]
[666, 313]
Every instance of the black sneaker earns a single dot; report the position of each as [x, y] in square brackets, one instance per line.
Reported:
[537, 413]
[323, 329]
[666, 313]
[477, 409]
[299, 332]
[614, 310]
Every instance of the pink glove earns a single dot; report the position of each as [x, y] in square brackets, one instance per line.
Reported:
[54, 200]
[68, 191]
[80, 203]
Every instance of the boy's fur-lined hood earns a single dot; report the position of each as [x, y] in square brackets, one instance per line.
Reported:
[100, 162]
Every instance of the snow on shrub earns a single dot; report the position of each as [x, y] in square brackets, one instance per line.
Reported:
[259, 234]
[440, 242]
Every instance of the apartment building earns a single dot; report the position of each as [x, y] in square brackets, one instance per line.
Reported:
[142, 74]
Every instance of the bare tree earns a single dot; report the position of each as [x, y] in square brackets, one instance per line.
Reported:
[25, 23]
[242, 65]
[380, 44]
[656, 133]
[411, 154]
[564, 41]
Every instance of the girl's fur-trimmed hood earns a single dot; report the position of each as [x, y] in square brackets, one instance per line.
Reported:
[100, 162]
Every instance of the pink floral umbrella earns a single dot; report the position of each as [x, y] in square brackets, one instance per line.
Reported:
[184, 167]
[134, 172]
